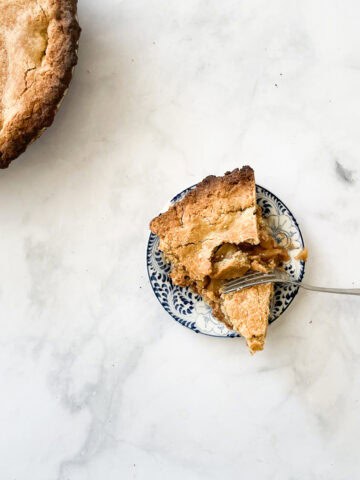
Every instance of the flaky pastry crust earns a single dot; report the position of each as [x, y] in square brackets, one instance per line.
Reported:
[216, 233]
[219, 210]
[38, 43]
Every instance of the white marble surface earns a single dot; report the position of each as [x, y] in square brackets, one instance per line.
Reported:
[97, 382]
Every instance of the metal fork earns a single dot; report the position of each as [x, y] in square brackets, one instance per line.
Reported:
[278, 276]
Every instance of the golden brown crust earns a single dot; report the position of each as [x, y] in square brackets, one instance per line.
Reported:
[38, 43]
[247, 311]
[217, 233]
[219, 210]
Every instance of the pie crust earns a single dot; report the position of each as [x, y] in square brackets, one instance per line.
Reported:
[216, 233]
[38, 43]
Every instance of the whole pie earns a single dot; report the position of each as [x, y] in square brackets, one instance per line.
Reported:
[217, 233]
[38, 42]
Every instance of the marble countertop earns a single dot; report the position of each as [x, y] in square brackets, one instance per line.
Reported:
[98, 382]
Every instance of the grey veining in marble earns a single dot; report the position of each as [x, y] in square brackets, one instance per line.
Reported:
[97, 381]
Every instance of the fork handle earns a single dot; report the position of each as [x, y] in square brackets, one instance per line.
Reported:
[342, 291]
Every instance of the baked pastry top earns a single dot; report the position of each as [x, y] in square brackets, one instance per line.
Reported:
[38, 41]
[215, 233]
[219, 210]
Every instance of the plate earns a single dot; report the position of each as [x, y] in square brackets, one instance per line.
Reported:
[189, 309]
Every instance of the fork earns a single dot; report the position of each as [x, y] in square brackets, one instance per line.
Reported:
[278, 276]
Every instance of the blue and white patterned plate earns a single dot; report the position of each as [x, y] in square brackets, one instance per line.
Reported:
[189, 309]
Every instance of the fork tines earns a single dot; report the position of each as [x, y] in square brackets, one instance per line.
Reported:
[249, 280]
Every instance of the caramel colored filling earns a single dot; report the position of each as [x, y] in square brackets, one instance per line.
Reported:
[303, 255]
[232, 261]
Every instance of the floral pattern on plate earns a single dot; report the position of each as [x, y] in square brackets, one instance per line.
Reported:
[189, 309]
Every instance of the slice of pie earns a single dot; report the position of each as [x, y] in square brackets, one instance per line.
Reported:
[38, 42]
[216, 233]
